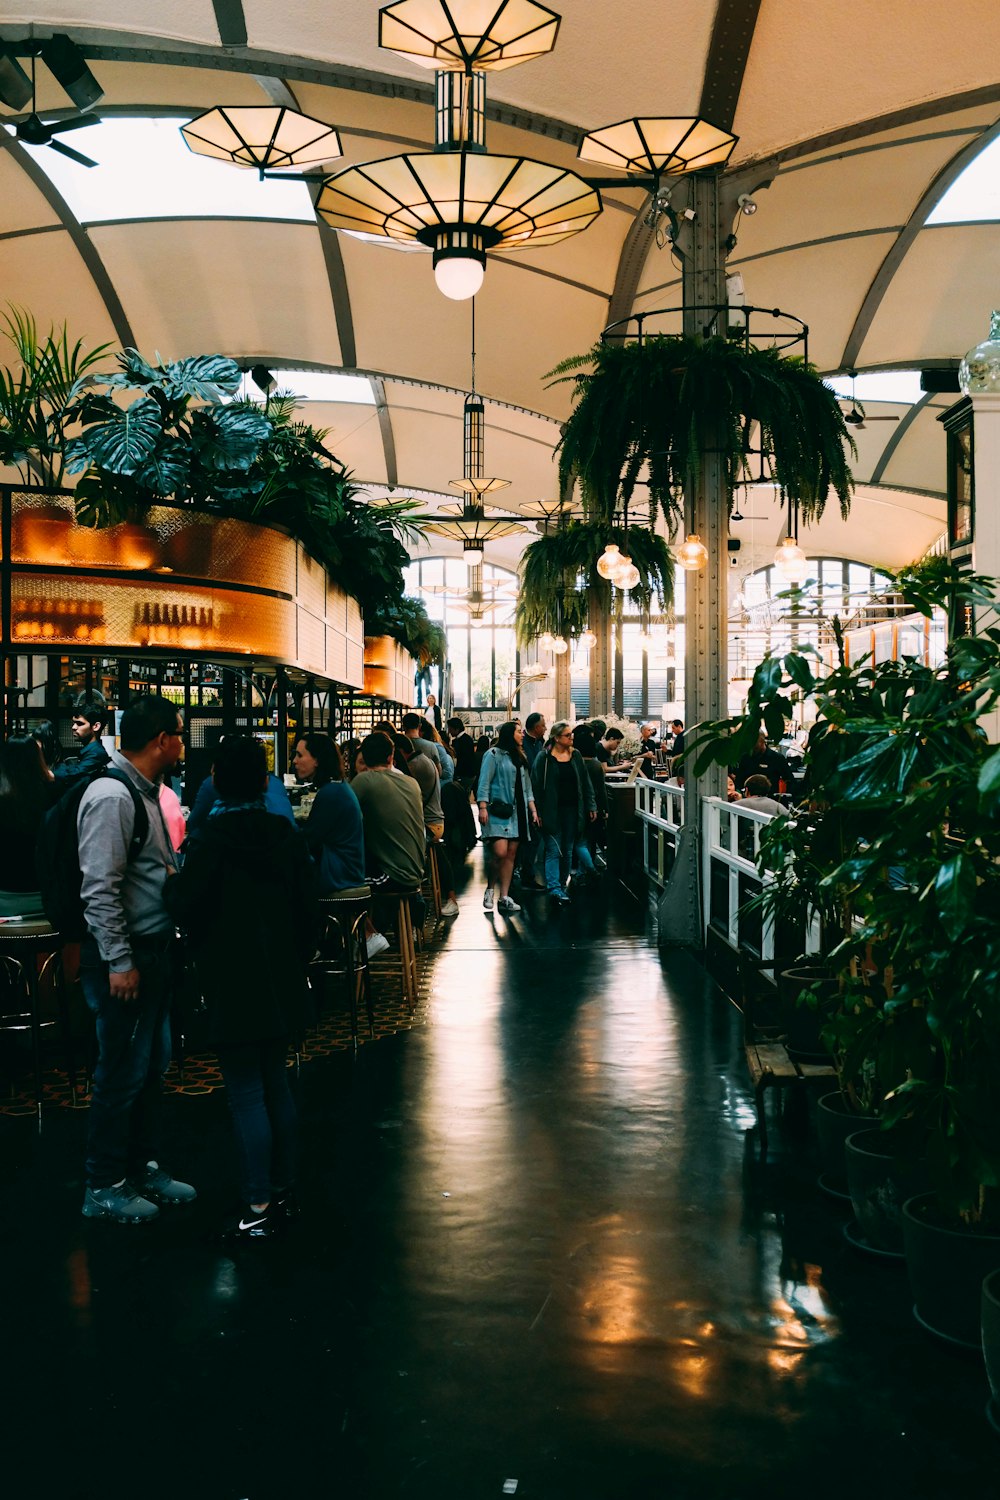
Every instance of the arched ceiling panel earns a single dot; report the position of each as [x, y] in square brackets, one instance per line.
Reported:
[920, 461]
[871, 439]
[44, 274]
[660, 55]
[939, 301]
[244, 289]
[353, 434]
[129, 84]
[23, 206]
[429, 447]
[887, 528]
[186, 20]
[817, 68]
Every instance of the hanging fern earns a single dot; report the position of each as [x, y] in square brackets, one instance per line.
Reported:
[559, 576]
[653, 409]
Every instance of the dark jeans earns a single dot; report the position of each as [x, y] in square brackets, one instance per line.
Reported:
[561, 843]
[133, 1051]
[264, 1116]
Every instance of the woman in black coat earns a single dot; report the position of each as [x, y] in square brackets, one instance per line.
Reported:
[248, 897]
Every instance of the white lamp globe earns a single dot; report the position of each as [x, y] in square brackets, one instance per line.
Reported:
[791, 563]
[627, 575]
[559, 646]
[692, 554]
[609, 560]
[459, 277]
[588, 640]
[545, 640]
[473, 556]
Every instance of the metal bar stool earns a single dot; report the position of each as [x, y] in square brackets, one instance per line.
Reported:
[344, 915]
[22, 944]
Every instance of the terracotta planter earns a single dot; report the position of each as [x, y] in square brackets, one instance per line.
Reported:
[947, 1267]
[880, 1178]
[834, 1123]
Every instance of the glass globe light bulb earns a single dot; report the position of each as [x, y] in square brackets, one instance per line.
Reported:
[791, 562]
[473, 556]
[588, 640]
[627, 575]
[559, 646]
[609, 560]
[692, 554]
[545, 640]
[459, 277]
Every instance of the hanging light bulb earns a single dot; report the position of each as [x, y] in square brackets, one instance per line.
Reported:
[791, 562]
[588, 640]
[559, 646]
[458, 276]
[545, 640]
[692, 554]
[646, 641]
[627, 575]
[609, 561]
[476, 622]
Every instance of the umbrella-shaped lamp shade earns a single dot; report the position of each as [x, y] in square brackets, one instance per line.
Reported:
[483, 34]
[265, 137]
[475, 528]
[664, 146]
[460, 202]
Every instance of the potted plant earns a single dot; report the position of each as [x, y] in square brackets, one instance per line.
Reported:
[406, 620]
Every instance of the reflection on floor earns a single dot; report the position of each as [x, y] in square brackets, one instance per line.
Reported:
[536, 1248]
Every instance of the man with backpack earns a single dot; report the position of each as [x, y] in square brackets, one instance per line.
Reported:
[126, 964]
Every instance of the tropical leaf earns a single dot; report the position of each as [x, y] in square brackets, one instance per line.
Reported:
[126, 438]
[228, 437]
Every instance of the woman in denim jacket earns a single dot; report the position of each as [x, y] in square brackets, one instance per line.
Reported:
[504, 780]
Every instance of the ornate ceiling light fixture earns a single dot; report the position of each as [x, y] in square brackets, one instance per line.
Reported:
[268, 138]
[459, 200]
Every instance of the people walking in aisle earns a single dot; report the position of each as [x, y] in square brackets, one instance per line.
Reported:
[464, 749]
[566, 804]
[126, 964]
[506, 807]
[432, 713]
[596, 831]
[534, 737]
[88, 724]
[250, 864]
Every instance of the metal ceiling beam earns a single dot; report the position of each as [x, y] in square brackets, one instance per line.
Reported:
[906, 239]
[231, 21]
[82, 243]
[905, 423]
[385, 426]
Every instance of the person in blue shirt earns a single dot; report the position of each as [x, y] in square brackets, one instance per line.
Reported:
[88, 722]
[275, 801]
[334, 830]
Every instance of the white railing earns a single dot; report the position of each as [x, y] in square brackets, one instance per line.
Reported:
[660, 810]
[729, 848]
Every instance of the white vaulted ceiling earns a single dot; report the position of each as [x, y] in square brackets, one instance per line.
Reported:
[858, 112]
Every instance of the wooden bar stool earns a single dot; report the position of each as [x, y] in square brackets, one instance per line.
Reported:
[434, 875]
[22, 944]
[403, 923]
[345, 914]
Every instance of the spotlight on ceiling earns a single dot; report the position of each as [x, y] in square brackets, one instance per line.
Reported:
[15, 85]
[66, 63]
[263, 379]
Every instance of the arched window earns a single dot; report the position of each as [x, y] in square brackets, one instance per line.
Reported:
[482, 651]
[763, 622]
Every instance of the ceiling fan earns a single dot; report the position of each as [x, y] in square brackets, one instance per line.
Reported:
[34, 131]
[857, 416]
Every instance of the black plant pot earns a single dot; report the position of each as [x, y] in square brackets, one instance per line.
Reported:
[803, 1024]
[834, 1123]
[880, 1178]
[991, 1343]
[947, 1267]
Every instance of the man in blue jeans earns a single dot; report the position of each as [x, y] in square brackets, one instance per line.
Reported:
[126, 965]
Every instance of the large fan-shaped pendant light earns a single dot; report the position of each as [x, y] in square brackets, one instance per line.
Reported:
[265, 137]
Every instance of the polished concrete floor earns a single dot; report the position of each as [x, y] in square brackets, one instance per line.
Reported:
[538, 1256]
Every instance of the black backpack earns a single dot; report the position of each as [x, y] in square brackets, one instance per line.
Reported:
[57, 853]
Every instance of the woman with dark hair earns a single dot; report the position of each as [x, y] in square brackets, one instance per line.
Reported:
[506, 801]
[251, 870]
[349, 757]
[566, 800]
[27, 791]
[333, 828]
[47, 737]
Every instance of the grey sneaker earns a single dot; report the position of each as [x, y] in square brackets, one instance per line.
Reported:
[488, 899]
[507, 907]
[121, 1202]
[157, 1184]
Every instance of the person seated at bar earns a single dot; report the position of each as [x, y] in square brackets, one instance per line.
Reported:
[393, 814]
[248, 898]
[424, 772]
[757, 797]
[88, 724]
[275, 801]
[349, 755]
[27, 791]
[333, 830]
[763, 761]
[426, 738]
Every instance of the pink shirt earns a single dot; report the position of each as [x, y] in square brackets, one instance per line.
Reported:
[170, 806]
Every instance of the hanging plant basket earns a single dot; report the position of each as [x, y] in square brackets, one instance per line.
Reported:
[546, 603]
[649, 412]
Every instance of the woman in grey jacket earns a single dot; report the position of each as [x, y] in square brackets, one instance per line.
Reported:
[565, 798]
[506, 802]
